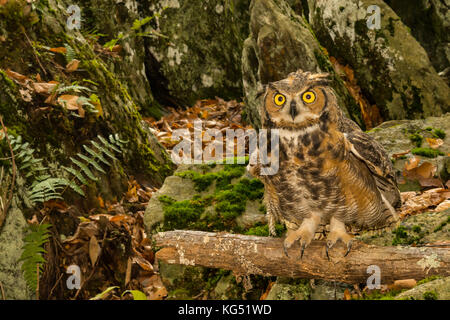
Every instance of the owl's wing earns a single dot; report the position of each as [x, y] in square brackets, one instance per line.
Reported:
[365, 148]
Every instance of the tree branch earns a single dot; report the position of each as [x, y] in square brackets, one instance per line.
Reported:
[264, 256]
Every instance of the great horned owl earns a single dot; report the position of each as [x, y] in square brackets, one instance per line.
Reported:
[330, 171]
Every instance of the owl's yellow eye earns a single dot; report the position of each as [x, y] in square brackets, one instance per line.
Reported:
[279, 99]
[309, 97]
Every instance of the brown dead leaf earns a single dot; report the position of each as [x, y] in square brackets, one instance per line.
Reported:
[43, 87]
[16, 75]
[347, 295]
[70, 102]
[59, 50]
[72, 65]
[266, 293]
[412, 163]
[444, 205]
[400, 154]
[144, 264]
[434, 143]
[421, 202]
[26, 95]
[94, 250]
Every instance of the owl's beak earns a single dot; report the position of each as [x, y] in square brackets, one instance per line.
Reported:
[293, 110]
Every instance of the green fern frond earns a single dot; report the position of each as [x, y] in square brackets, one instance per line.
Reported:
[77, 174]
[32, 253]
[84, 168]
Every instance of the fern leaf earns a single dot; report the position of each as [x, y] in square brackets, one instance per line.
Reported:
[108, 145]
[77, 174]
[32, 253]
[84, 168]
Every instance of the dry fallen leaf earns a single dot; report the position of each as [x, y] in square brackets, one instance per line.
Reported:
[43, 87]
[59, 50]
[435, 143]
[412, 163]
[404, 284]
[72, 65]
[70, 102]
[444, 205]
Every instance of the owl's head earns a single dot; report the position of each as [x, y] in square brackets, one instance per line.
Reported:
[298, 101]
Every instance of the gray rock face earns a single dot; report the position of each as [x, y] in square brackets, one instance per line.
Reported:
[395, 137]
[130, 68]
[391, 67]
[180, 189]
[199, 55]
[281, 42]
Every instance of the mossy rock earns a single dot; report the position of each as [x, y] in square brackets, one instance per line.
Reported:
[429, 23]
[391, 67]
[208, 198]
[418, 229]
[11, 243]
[438, 289]
[281, 42]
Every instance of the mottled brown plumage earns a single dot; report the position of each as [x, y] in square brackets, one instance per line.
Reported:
[330, 171]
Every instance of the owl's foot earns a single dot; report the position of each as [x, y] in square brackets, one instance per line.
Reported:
[305, 234]
[338, 232]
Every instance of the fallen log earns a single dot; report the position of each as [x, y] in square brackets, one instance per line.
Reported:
[264, 256]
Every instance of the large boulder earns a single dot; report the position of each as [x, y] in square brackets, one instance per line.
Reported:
[438, 289]
[399, 136]
[281, 42]
[198, 53]
[130, 66]
[391, 67]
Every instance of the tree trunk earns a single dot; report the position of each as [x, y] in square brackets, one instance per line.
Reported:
[265, 256]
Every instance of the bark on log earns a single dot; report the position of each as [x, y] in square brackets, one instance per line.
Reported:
[264, 256]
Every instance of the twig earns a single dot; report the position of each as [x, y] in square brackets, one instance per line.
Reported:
[3, 292]
[245, 254]
[94, 267]
[54, 286]
[13, 181]
[34, 51]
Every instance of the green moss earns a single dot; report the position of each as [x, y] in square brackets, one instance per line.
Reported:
[263, 230]
[222, 178]
[427, 152]
[416, 139]
[442, 225]
[229, 201]
[430, 295]
[438, 133]
[378, 295]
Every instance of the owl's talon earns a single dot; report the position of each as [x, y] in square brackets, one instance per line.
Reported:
[349, 247]
[303, 250]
